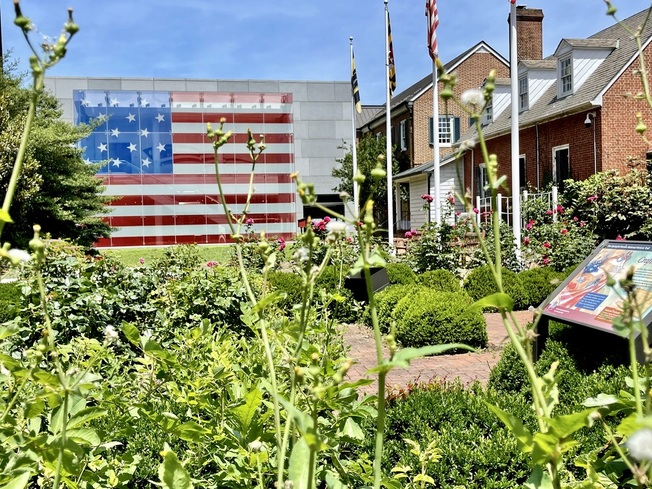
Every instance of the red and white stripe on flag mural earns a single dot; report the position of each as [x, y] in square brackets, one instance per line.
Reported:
[433, 22]
[165, 181]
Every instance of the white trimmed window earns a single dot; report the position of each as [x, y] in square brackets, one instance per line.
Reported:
[402, 134]
[565, 76]
[449, 129]
[488, 114]
[523, 96]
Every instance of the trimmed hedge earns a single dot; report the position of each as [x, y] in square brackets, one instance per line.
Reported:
[440, 280]
[386, 301]
[433, 318]
[400, 273]
[539, 283]
[480, 283]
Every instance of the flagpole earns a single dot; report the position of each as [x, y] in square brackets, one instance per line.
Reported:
[516, 181]
[354, 152]
[388, 139]
[435, 144]
[433, 21]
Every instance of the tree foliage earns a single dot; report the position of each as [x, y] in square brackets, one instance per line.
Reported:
[56, 188]
[368, 150]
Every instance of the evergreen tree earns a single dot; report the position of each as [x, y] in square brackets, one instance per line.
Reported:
[368, 150]
[56, 188]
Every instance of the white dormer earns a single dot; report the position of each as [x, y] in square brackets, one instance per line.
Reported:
[534, 78]
[577, 59]
[500, 99]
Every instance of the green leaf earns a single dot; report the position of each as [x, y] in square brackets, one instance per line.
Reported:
[544, 445]
[539, 479]
[86, 415]
[34, 409]
[601, 400]
[173, 475]
[353, 430]
[7, 331]
[332, 481]
[269, 299]
[132, 333]
[298, 470]
[522, 434]
[564, 426]
[85, 435]
[19, 482]
[404, 356]
[246, 412]
[4, 216]
[409, 354]
[190, 431]
[499, 300]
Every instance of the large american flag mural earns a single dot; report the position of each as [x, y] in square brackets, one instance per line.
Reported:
[159, 163]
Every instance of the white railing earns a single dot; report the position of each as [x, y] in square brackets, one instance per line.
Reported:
[504, 205]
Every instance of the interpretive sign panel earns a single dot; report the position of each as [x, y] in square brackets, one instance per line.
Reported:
[584, 298]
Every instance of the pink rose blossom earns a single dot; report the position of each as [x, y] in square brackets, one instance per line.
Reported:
[593, 198]
[620, 238]
[575, 219]
[211, 264]
[476, 210]
[529, 225]
[281, 244]
[546, 245]
[546, 260]
[564, 231]
[408, 234]
[326, 219]
[560, 209]
[249, 221]
[142, 261]
[526, 241]
[582, 224]
[549, 212]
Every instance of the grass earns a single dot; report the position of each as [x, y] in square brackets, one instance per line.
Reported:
[131, 256]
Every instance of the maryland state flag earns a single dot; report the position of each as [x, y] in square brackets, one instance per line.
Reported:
[390, 59]
[354, 84]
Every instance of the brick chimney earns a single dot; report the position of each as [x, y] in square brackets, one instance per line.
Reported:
[529, 32]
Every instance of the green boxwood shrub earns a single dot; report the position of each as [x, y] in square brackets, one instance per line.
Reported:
[400, 273]
[386, 301]
[440, 280]
[440, 317]
[480, 283]
[477, 451]
[417, 293]
[10, 300]
[539, 283]
[290, 283]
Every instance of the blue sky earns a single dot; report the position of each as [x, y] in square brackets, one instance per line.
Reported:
[284, 39]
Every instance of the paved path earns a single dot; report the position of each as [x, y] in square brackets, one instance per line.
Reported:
[467, 367]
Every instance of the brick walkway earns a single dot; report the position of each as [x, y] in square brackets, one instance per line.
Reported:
[467, 367]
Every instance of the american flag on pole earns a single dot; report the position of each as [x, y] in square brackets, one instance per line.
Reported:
[390, 59]
[159, 163]
[433, 22]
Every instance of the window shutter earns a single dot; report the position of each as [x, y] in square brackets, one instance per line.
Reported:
[456, 130]
[431, 138]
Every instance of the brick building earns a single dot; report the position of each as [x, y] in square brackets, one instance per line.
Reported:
[576, 113]
[412, 133]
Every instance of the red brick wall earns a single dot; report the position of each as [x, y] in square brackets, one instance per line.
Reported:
[618, 146]
[470, 74]
[621, 143]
